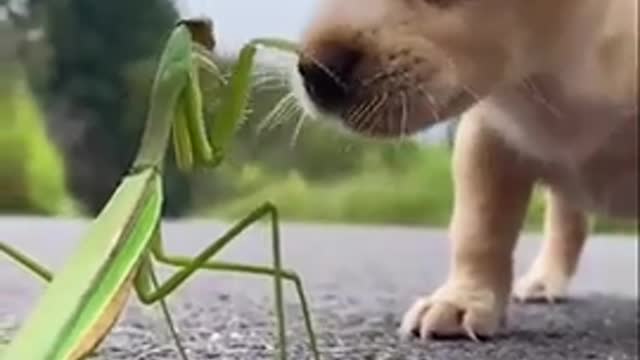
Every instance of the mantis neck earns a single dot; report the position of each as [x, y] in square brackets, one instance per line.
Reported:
[157, 132]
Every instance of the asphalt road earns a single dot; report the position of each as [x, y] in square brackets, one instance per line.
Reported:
[359, 282]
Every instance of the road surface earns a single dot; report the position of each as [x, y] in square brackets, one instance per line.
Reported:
[359, 281]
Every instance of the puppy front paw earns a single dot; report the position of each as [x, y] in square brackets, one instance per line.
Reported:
[455, 311]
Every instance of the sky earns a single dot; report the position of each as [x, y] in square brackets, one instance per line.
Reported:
[237, 21]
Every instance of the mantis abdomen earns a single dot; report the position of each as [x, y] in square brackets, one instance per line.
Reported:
[103, 326]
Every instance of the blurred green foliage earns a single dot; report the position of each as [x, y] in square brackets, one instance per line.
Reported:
[103, 57]
[403, 184]
[88, 80]
[92, 72]
[399, 184]
[32, 178]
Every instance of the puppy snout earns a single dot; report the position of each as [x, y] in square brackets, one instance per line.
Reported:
[328, 75]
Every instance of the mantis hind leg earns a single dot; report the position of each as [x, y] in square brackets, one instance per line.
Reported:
[30, 264]
[189, 265]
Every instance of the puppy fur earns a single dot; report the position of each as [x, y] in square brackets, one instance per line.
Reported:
[547, 94]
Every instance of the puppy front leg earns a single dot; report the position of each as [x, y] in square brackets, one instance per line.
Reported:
[565, 233]
[493, 185]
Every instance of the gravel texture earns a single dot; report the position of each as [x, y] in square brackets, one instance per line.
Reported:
[359, 282]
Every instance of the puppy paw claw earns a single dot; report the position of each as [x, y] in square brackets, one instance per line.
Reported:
[453, 312]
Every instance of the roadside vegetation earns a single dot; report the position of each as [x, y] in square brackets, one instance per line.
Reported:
[32, 176]
[73, 116]
[416, 192]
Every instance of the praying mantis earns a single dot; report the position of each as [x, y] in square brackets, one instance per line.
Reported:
[84, 299]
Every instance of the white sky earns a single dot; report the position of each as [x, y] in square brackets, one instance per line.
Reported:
[234, 25]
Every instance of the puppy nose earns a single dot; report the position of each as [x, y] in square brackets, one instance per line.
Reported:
[327, 76]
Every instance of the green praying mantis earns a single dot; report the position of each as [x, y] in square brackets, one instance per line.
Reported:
[84, 299]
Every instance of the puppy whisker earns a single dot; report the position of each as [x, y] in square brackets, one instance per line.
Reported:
[365, 112]
[276, 115]
[404, 116]
[370, 118]
[354, 114]
[541, 99]
[374, 118]
[298, 128]
[471, 92]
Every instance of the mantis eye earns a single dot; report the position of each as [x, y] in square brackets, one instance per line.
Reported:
[202, 31]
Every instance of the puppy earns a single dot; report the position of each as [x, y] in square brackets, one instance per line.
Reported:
[546, 91]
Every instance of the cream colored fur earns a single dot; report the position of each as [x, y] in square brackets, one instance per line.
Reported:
[547, 91]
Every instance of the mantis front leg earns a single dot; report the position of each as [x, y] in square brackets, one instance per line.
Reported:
[202, 261]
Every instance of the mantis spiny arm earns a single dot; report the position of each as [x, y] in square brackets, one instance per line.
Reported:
[201, 150]
[169, 83]
[236, 96]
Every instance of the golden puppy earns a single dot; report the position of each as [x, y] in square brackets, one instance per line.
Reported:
[547, 93]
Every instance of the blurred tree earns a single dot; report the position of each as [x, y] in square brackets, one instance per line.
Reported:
[31, 176]
[102, 61]
[94, 72]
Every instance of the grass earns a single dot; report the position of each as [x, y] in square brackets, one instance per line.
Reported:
[415, 189]
[417, 194]
[32, 176]
[375, 196]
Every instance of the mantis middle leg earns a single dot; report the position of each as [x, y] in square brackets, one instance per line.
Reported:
[202, 261]
[26, 261]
